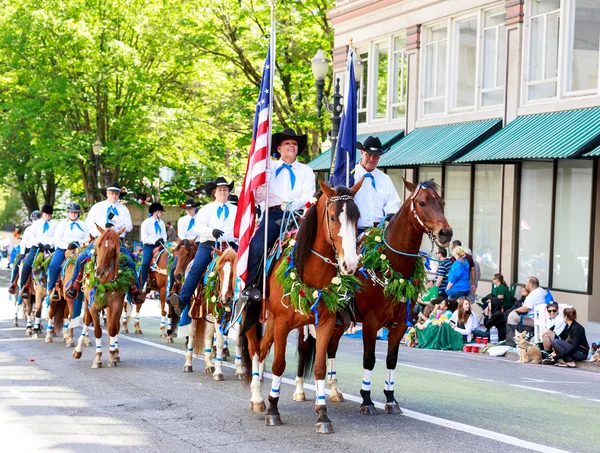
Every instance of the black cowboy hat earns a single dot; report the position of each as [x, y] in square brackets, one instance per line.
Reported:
[372, 145]
[288, 134]
[233, 199]
[48, 209]
[189, 203]
[220, 181]
[156, 207]
[114, 187]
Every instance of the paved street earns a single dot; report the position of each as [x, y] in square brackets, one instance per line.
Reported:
[451, 402]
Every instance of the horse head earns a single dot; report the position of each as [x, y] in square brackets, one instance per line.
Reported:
[226, 266]
[341, 223]
[107, 248]
[185, 251]
[427, 208]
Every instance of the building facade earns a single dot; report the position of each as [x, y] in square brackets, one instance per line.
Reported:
[498, 101]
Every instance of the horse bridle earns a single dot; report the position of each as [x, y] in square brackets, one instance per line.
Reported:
[413, 210]
[333, 199]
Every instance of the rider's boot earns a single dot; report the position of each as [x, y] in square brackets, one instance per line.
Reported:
[175, 303]
[25, 291]
[12, 288]
[73, 290]
[137, 296]
[55, 295]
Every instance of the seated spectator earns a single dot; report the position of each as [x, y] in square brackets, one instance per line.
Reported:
[459, 283]
[537, 296]
[555, 327]
[501, 291]
[432, 293]
[518, 303]
[422, 322]
[437, 332]
[574, 348]
[443, 269]
[495, 319]
[463, 320]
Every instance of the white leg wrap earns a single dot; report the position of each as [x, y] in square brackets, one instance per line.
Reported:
[331, 373]
[98, 345]
[275, 387]
[299, 385]
[50, 324]
[320, 385]
[238, 360]
[256, 383]
[113, 343]
[137, 316]
[389, 380]
[163, 320]
[261, 370]
[366, 382]
[38, 321]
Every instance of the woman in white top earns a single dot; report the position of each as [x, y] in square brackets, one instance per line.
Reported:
[555, 326]
[463, 320]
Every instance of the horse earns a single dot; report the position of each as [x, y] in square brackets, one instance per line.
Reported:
[59, 309]
[157, 281]
[325, 248]
[215, 309]
[38, 282]
[106, 284]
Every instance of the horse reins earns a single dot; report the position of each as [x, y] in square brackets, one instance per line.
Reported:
[333, 199]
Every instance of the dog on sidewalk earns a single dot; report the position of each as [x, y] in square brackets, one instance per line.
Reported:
[528, 352]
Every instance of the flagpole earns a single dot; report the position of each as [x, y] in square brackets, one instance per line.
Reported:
[263, 311]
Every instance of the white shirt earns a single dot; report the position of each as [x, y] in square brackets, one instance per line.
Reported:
[148, 233]
[469, 325]
[558, 323]
[536, 297]
[183, 228]
[280, 185]
[65, 233]
[374, 203]
[26, 240]
[99, 215]
[38, 235]
[207, 219]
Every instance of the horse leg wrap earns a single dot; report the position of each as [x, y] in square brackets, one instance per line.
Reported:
[366, 382]
[320, 388]
[389, 380]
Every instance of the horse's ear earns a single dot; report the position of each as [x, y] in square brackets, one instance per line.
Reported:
[121, 231]
[356, 187]
[217, 251]
[100, 229]
[409, 185]
[193, 241]
[328, 191]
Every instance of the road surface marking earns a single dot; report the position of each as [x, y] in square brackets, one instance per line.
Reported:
[484, 380]
[545, 391]
[542, 381]
[434, 370]
[492, 435]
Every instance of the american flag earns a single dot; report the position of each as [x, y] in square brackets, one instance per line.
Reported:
[255, 171]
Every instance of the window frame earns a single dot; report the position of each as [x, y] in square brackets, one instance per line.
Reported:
[452, 77]
[496, 88]
[423, 67]
[393, 78]
[360, 108]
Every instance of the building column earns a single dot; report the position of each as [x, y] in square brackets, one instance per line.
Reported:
[594, 300]
[514, 57]
[510, 218]
[413, 44]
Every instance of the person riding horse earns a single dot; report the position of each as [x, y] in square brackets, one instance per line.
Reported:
[26, 243]
[70, 233]
[112, 214]
[289, 182]
[185, 230]
[213, 222]
[153, 234]
[378, 197]
[42, 238]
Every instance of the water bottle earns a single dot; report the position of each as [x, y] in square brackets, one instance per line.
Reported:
[494, 335]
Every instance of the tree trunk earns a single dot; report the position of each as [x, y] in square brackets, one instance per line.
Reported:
[50, 195]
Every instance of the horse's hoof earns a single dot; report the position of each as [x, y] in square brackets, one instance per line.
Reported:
[16, 322]
[170, 340]
[273, 420]
[96, 364]
[112, 363]
[36, 336]
[392, 408]
[138, 332]
[240, 376]
[162, 335]
[70, 344]
[118, 359]
[125, 331]
[325, 428]
[337, 398]
[209, 369]
[53, 334]
[299, 397]
[218, 377]
[187, 369]
[28, 332]
[77, 354]
[258, 408]
[368, 410]
[48, 340]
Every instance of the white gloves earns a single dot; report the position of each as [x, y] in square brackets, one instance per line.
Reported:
[268, 174]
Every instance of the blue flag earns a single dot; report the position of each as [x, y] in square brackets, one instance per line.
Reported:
[345, 151]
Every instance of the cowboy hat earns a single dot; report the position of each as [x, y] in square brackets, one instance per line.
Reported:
[288, 134]
[189, 203]
[114, 187]
[219, 182]
[156, 207]
[372, 145]
[48, 209]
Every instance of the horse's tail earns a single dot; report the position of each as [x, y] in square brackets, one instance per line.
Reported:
[199, 327]
[59, 315]
[307, 349]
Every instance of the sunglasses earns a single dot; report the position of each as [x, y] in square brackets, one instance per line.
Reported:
[552, 311]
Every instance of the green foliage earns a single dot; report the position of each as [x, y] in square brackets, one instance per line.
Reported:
[211, 292]
[395, 285]
[124, 280]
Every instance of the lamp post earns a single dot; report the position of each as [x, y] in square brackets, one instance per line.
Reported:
[320, 68]
[97, 149]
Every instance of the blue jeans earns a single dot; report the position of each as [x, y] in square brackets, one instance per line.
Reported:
[453, 295]
[27, 264]
[146, 259]
[53, 270]
[15, 269]
[171, 278]
[201, 261]
[257, 244]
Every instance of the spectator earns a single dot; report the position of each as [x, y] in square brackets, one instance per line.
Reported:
[432, 293]
[458, 277]
[555, 326]
[473, 270]
[495, 319]
[576, 346]
[443, 269]
[501, 291]
[537, 296]
[463, 319]
[171, 234]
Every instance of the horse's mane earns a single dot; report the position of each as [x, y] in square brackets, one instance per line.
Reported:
[308, 227]
[111, 236]
[186, 243]
[229, 255]
[431, 184]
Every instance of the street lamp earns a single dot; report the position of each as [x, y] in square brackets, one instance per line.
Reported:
[97, 149]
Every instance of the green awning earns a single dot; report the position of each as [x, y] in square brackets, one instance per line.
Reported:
[437, 144]
[323, 161]
[594, 153]
[544, 136]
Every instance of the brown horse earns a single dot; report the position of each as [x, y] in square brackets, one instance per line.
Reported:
[70, 257]
[157, 281]
[107, 252]
[38, 283]
[325, 247]
[422, 213]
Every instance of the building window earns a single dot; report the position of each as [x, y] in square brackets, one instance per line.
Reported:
[363, 89]
[534, 221]
[572, 222]
[400, 75]
[381, 77]
[544, 33]
[584, 45]
[396, 175]
[436, 53]
[465, 67]
[494, 57]
[457, 195]
[487, 205]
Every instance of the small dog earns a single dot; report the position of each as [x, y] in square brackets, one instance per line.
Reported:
[528, 352]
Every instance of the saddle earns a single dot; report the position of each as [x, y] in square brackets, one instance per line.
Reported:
[155, 268]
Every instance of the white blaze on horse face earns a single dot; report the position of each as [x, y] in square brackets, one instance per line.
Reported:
[225, 283]
[348, 234]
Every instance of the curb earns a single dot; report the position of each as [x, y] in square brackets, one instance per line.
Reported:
[583, 365]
